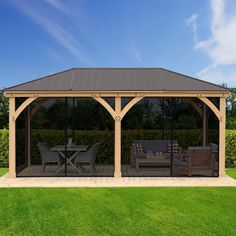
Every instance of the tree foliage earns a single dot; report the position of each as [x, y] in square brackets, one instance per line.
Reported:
[3, 111]
[231, 110]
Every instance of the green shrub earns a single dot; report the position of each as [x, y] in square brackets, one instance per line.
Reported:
[3, 148]
[230, 148]
[106, 151]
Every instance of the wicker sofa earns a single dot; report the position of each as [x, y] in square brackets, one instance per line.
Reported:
[154, 146]
[196, 161]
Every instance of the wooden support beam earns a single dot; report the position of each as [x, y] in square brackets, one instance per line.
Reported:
[117, 115]
[204, 126]
[194, 105]
[13, 114]
[211, 106]
[162, 93]
[29, 136]
[117, 172]
[23, 106]
[106, 105]
[222, 121]
[12, 139]
[37, 106]
[129, 106]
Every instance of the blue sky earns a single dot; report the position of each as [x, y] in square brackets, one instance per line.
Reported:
[40, 37]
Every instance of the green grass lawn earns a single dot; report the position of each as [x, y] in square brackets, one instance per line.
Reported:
[118, 211]
[3, 171]
[231, 173]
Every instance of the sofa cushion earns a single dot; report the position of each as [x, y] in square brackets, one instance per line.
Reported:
[155, 146]
[179, 163]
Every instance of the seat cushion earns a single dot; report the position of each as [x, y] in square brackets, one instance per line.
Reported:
[179, 163]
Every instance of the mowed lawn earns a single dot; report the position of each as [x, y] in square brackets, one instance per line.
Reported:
[118, 211]
[231, 172]
[3, 171]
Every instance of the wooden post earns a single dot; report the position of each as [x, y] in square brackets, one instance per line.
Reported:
[29, 135]
[117, 172]
[222, 138]
[117, 115]
[12, 139]
[204, 127]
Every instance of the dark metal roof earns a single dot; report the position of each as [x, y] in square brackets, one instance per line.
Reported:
[117, 79]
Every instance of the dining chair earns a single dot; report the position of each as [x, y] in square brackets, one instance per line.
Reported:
[47, 156]
[87, 157]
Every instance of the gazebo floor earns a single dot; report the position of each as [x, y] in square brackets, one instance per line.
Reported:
[101, 170]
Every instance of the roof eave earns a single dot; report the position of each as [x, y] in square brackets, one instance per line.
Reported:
[44, 93]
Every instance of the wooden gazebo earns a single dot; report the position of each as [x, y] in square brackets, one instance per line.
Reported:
[117, 83]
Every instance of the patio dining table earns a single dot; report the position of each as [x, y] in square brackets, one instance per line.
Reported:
[75, 149]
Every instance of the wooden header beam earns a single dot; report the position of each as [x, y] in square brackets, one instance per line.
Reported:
[162, 93]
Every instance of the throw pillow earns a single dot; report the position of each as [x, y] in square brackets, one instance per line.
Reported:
[175, 148]
[138, 148]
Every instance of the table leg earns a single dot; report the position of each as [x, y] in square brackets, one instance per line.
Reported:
[69, 162]
[63, 166]
[72, 164]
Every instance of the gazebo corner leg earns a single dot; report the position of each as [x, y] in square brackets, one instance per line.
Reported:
[117, 172]
[222, 138]
[12, 139]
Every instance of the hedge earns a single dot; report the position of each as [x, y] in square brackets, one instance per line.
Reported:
[230, 148]
[106, 152]
[4, 148]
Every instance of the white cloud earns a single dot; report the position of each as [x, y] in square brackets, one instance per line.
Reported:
[61, 35]
[219, 74]
[220, 47]
[58, 5]
[137, 55]
[134, 49]
[192, 21]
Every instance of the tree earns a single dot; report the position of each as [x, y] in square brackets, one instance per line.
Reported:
[231, 110]
[4, 109]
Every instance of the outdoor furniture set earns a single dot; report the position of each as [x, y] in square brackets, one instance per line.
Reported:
[80, 156]
[144, 153]
[157, 153]
[153, 152]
